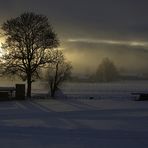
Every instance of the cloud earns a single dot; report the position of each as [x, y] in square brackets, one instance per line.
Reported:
[110, 42]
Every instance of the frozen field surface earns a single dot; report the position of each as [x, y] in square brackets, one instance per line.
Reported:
[114, 90]
[74, 123]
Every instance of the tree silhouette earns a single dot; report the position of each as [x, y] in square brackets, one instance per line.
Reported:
[107, 71]
[30, 40]
[58, 71]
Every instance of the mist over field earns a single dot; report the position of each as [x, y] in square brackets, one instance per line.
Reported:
[86, 57]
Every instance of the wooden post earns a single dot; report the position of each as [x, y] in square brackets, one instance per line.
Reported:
[20, 91]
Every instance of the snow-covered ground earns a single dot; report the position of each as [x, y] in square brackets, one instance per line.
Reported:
[74, 123]
[114, 90]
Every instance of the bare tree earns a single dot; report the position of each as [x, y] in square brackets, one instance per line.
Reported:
[58, 72]
[107, 71]
[28, 46]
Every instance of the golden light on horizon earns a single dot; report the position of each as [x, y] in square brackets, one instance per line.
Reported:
[1, 50]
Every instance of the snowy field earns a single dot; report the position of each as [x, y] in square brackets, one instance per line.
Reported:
[75, 123]
[115, 90]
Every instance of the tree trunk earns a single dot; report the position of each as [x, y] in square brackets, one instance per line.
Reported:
[52, 91]
[54, 86]
[29, 82]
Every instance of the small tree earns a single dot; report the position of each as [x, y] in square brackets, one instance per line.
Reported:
[58, 72]
[107, 71]
[28, 46]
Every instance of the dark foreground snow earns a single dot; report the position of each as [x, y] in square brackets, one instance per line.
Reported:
[74, 124]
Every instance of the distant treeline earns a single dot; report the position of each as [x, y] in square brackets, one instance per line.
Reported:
[107, 72]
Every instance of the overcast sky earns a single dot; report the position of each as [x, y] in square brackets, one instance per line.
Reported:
[93, 29]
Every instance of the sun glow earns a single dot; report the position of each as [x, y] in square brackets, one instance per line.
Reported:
[1, 50]
[2, 40]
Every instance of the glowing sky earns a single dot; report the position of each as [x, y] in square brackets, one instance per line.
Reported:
[90, 30]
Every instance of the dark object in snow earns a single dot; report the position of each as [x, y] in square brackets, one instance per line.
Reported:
[91, 98]
[141, 96]
[6, 93]
[20, 91]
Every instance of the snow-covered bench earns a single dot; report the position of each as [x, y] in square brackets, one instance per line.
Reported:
[6, 93]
